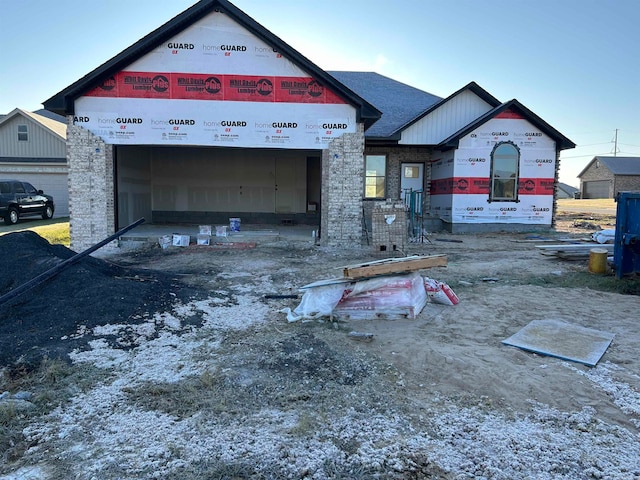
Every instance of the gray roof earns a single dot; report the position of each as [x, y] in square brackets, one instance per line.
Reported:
[617, 165]
[53, 116]
[398, 102]
[568, 188]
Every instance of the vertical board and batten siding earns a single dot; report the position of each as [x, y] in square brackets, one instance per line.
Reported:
[49, 175]
[445, 120]
[41, 142]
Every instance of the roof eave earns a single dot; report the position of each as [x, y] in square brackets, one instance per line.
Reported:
[62, 103]
[395, 138]
[562, 142]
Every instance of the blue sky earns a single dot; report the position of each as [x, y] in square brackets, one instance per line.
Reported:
[575, 63]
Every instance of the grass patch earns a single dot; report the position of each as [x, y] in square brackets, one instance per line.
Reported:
[306, 425]
[55, 234]
[51, 384]
[215, 469]
[602, 283]
[587, 204]
[210, 392]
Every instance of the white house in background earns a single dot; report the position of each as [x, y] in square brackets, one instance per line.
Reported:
[33, 148]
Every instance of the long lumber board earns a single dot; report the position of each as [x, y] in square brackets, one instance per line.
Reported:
[393, 265]
[576, 247]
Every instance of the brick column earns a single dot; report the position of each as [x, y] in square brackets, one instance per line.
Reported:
[91, 188]
[342, 190]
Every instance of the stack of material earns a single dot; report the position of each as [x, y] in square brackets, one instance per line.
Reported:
[389, 289]
[204, 235]
[389, 297]
[572, 250]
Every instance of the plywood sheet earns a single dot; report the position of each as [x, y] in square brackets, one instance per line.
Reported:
[563, 340]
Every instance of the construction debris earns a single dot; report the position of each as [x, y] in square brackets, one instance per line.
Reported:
[572, 250]
[389, 288]
[388, 297]
[361, 336]
[394, 266]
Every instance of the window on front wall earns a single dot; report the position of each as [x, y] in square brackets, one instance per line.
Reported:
[505, 162]
[375, 176]
[23, 133]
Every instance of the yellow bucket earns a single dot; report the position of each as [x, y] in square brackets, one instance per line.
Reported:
[598, 260]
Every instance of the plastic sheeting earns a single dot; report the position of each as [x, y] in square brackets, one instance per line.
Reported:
[389, 297]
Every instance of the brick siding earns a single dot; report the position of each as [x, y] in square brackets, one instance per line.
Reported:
[342, 187]
[91, 188]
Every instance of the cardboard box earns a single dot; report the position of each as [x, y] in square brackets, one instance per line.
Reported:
[181, 240]
[204, 239]
[205, 230]
[164, 241]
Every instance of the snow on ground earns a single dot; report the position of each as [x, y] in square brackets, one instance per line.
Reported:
[101, 431]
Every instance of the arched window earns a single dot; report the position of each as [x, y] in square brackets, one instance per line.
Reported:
[505, 170]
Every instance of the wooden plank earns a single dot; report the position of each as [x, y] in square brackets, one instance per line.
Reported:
[393, 266]
[325, 283]
[576, 247]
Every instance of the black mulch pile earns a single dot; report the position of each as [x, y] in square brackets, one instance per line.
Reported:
[43, 321]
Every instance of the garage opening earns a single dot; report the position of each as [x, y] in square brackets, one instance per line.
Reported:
[200, 185]
[596, 189]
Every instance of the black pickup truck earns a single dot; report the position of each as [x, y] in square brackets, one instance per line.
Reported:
[21, 199]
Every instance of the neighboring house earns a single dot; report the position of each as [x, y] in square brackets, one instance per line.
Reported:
[33, 148]
[211, 116]
[604, 177]
[566, 191]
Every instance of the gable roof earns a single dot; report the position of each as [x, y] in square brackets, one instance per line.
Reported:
[399, 103]
[63, 102]
[53, 116]
[616, 165]
[55, 127]
[514, 105]
[567, 188]
[471, 86]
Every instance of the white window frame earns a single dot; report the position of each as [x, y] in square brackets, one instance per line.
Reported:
[23, 133]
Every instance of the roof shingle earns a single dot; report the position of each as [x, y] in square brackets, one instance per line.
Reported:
[399, 103]
[617, 165]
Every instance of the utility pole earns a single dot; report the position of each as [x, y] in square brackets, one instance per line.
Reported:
[615, 144]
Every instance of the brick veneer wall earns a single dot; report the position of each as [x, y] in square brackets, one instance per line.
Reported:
[595, 173]
[342, 188]
[389, 226]
[91, 188]
[396, 156]
[626, 183]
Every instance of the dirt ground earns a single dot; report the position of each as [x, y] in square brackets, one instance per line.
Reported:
[217, 384]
